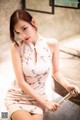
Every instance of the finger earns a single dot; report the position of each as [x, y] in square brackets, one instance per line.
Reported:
[57, 105]
[76, 90]
[54, 109]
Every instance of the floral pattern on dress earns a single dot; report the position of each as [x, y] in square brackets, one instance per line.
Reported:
[35, 75]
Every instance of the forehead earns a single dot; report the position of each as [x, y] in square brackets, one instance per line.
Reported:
[20, 24]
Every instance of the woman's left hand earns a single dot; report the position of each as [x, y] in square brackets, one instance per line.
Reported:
[75, 88]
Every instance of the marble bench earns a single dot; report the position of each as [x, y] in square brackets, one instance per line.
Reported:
[67, 111]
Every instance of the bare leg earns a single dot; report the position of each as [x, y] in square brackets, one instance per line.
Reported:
[24, 115]
[37, 117]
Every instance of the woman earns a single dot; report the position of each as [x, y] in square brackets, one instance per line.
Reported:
[33, 57]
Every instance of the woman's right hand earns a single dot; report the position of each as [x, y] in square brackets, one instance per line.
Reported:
[52, 106]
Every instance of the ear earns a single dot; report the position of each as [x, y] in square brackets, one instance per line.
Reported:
[33, 22]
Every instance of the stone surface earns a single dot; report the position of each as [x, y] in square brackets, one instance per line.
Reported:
[67, 111]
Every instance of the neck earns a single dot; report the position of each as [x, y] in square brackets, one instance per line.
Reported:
[36, 38]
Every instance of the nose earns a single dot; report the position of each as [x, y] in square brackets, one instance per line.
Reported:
[23, 35]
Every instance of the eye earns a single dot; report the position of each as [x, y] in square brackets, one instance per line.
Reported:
[17, 33]
[25, 28]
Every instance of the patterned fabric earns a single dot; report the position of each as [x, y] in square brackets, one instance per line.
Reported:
[35, 75]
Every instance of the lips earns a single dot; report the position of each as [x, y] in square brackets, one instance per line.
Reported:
[27, 38]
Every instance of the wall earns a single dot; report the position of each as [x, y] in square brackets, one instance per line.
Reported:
[65, 23]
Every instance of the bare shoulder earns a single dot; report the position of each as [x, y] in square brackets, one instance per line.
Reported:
[15, 47]
[52, 43]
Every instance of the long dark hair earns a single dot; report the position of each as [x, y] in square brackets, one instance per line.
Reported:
[15, 17]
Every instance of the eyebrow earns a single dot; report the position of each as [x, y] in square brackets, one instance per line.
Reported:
[22, 26]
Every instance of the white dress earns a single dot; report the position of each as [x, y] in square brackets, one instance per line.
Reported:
[35, 75]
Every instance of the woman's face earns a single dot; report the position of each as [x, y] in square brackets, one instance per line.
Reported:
[25, 31]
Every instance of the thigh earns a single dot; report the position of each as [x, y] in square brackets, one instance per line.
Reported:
[21, 115]
[37, 117]
[24, 115]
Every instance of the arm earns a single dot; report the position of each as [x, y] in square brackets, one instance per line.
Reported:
[16, 60]
[54, 47]
[55, 65]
